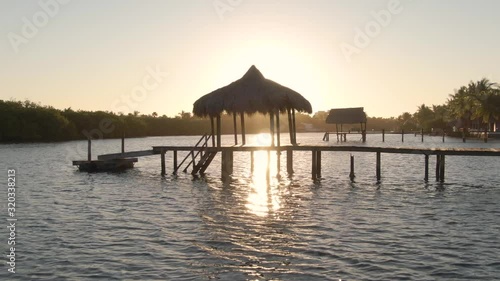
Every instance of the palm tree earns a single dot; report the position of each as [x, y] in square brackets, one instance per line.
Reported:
[484, 94]
[460, 105]
[488, 106]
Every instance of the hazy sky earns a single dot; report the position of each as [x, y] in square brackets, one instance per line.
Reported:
[160, 55]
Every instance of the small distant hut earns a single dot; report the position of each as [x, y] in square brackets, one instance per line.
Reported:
[341, 116]
[249, 95]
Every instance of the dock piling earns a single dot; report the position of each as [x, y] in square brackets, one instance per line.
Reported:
[314, 165]
[251, 161]
[123, 143]
[422, 133]
[442, 168]
[426, 176]
[318, 164]
[278, 162]
[289, 161]
[351, 174]
[235, 128]
[378, 167]
[163, 172]
[438, 167]
[383, 135]
[226, 164]
[89, 150]
[175, 162]
[402, 135]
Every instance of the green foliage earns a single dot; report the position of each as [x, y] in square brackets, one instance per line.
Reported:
[31, 122]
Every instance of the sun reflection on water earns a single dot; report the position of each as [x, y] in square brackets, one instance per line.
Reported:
[264, 198]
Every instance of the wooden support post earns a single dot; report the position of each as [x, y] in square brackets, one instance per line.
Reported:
[268, 167]
[337, 131]
[351, 174]
[318, 165]
[378, 167]
[252, 161]
[345, 137]
[341, 133]
[162, 162]
[314, 165]
[463, 134]
[212, 130]
[278, 137]
[485, 135]
[442, 168]
[243, 134]
[278, 162]
[426, 172]
[363, 132]
[402, 135]
[89, 150]
[175, 161]
[235, 129]
[226, 164]
[123, 143]
[271, 121]
[290, 125]
[218, 131]
[438, 166]
[289, 161]
[444, 134]
[383, 135]
[294, 127]
[422, 133]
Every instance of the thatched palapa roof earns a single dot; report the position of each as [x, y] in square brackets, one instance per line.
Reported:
[251, 94]
[346, 116]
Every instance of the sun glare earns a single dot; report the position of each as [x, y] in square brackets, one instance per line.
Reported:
[263, 197]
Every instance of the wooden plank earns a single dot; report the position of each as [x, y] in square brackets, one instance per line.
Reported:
[129, 154]
[81, 162]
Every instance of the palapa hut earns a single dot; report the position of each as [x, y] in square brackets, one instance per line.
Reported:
[249, 95]
[340, 116]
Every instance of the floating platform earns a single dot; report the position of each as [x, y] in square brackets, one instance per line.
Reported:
[110, 165]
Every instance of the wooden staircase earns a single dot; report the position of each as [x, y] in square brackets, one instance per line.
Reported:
[205, 157]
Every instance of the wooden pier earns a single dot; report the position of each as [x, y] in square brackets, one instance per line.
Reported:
[200, 156]
[316, 155]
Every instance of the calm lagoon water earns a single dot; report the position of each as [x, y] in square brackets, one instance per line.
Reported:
[137, 225]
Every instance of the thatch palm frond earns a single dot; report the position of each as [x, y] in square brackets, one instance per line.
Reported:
[251, 94]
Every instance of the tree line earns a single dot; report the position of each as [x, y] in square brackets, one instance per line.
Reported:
[477, 102]
[26, 121]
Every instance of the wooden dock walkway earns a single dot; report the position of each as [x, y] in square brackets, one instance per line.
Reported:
[316, 151]
[201, 155]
